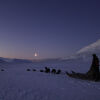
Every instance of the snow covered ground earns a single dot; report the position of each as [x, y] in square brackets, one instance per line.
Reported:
[18, 84]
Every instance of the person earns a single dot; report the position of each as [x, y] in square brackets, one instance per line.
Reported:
[93, 73]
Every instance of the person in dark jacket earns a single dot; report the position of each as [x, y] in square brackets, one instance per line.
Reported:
[93, 73]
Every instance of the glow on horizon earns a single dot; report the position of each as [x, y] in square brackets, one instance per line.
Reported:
[35, 54]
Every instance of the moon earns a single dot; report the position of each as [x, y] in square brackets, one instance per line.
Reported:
[35, 54]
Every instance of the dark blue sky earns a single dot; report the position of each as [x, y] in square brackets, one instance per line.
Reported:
[53, 28]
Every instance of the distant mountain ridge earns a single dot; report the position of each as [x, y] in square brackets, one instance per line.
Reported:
[5, 60]
[1, 60]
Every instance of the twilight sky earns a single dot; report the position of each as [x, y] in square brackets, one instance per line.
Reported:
[53, 28]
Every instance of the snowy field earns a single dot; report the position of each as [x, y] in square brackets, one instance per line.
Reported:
[18, 84]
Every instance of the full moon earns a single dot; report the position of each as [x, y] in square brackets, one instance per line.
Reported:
[35, 55]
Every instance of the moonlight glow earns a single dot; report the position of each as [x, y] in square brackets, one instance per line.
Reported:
[35, 55]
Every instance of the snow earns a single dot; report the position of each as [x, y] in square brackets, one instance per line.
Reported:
[18, 84]
[86, 52]
[92, 48]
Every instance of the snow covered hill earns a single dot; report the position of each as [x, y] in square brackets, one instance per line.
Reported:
[2, 60]
[90, 49]
[6, 60]
[86, 52]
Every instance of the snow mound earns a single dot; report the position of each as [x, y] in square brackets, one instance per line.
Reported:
[90, 49]
[86, 52]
